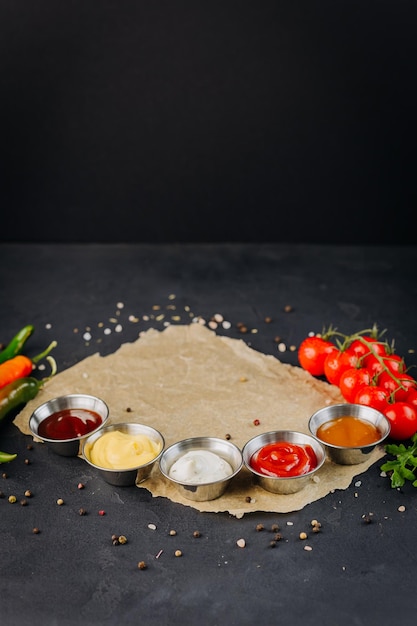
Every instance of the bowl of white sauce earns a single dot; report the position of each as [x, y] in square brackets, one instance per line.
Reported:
[201, 468]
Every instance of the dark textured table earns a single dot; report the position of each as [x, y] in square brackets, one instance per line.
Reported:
[70, 573]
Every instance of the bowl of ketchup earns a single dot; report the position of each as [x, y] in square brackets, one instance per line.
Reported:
[63, 422]
[283, 461]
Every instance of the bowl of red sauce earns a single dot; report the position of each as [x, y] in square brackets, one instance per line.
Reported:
[283, 461]
[63, 422]
[349, 432]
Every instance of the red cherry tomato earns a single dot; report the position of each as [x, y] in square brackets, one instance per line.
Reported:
[312, 353]
[351, 380]
[365, 345]
[373, 364]
[376, 346]
[386, 381]
[394, 363]
[412, 397]
[373, 396]
[403, 419]
[338, 362]
[408, 383]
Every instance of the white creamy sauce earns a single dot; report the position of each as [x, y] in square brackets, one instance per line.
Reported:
[200, 466]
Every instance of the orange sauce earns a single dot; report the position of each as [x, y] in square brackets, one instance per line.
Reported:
[348, 431]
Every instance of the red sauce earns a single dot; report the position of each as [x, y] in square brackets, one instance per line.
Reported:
[69, 424]
[284, 459]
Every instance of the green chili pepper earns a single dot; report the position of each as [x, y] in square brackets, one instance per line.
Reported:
[5, 457]
[20, 391]
[16, 344]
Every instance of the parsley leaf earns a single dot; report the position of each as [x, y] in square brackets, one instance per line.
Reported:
[404, 466]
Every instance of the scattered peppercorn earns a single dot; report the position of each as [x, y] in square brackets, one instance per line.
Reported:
[268, 320]
[303, 535]
[60, 502]
[36, 531]
[1, 494]
[248, 499]
[275, 528]
[122, 539]
[272, 544]
[101, 512]
[259, 527]
[178, 553]
[142, 565]
[228, 436]
[288, 308]
[196, 534]
[277, 537]
[80, 486]
[27, 462]
[172, 532]
[23, 502]
[12, 499]
[128, 410]
[367, 518]
[29, 447]
[256, 422]
[28, 493]
[82, 511]
[4, 475]
[277, 339]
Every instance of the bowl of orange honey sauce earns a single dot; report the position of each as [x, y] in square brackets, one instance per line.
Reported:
[349, 432]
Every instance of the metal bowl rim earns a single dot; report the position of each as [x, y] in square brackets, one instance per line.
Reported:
[341, 405]
[111, 427]
[73, 439]
[283, 432]
[195, 440]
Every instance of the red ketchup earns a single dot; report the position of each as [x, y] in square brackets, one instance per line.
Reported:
[69, 424]
[283, 459]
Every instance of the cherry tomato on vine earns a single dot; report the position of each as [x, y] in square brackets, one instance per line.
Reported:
[377, 346]
[386, 381]
[412, 397]
[338, 362]
[351, 380]
[394, 363]
[373, 396]
[408, 383]
[373, 364]
[312, 353]
[361, 347]
[403, 419]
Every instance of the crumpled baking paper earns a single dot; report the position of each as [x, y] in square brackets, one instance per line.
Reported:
[187, 381]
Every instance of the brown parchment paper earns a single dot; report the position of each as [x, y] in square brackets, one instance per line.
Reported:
[186, 381]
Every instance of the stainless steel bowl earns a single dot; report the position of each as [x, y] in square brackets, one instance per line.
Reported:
[349, 455]
[124, 477]
[67, 447]
[202, 491]
[282, 485]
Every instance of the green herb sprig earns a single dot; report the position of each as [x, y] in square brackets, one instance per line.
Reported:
[404, 466]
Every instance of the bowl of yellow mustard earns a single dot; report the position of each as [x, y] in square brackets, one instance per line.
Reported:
[124, 454]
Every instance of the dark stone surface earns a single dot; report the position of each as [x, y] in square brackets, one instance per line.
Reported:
[70, 573]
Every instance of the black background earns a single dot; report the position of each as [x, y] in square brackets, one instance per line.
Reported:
[173, 121]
